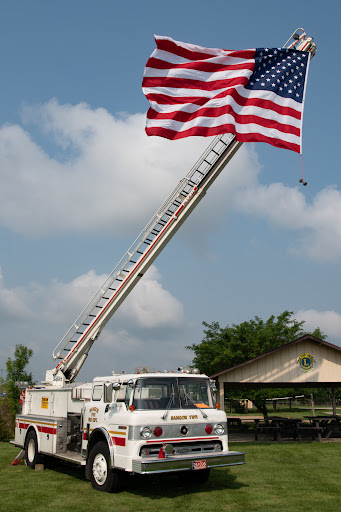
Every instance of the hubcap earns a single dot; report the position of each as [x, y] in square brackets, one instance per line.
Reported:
[100, 469]
[31, 449]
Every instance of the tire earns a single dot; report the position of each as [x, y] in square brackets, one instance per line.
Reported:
[32, 456]
[102, 477]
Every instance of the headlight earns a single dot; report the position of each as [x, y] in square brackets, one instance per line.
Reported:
[219, 429]
[145, 432]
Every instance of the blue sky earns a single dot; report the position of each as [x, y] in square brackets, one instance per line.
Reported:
[80, 179]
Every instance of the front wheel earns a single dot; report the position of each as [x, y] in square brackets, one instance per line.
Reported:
[32, 456]
[102, 477]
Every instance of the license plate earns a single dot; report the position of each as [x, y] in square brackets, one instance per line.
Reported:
[199, 464]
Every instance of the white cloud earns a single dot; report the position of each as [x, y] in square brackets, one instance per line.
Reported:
[77, 169]
[105, 173]
[329, 322]
[38, 316]
[318, 223]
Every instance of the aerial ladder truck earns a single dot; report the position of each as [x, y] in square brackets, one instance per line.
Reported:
[144, 423]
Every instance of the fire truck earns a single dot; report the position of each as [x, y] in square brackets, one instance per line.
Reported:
[141, 423]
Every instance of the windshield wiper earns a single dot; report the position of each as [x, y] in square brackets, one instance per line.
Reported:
[169, 405]
[195, 405]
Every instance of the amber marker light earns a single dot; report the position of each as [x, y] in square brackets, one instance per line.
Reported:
[131, 408]
[217, 406]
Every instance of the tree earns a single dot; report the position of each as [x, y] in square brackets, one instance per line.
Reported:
[9, 404]
[16, 371]
[225, 347]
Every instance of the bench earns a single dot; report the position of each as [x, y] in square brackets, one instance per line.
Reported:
[265, 427]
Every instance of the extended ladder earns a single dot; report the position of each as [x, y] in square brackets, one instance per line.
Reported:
[73, 349]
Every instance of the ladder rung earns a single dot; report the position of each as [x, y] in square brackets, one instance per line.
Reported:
[107, 298]
[99, 307]
[113, 289]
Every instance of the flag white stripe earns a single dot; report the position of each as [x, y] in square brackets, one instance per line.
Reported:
[193, 74]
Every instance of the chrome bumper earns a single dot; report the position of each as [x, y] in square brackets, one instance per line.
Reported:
[185, 463]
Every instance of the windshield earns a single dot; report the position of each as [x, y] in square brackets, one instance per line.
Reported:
[194, 392]
[171, 393]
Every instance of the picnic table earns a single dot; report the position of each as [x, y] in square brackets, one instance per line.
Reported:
[236, 424]
[286, 427]
[328, 425]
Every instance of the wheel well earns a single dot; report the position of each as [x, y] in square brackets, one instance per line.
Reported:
[96, 436]
[31, 429]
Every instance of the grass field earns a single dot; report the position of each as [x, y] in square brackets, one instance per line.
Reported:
[277, 477]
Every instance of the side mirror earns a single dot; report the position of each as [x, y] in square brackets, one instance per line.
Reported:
[108, 393]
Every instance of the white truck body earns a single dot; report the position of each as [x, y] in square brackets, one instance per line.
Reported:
[150, 423]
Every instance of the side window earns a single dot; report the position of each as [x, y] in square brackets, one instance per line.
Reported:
[97, 392]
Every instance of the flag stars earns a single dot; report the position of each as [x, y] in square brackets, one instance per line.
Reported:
[279, 72]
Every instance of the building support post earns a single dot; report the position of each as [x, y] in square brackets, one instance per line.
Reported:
[221, 395]
[333, 402]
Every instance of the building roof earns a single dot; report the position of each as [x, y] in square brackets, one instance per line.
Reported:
[305, 361]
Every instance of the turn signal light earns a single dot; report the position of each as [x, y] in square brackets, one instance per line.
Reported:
[208, 429]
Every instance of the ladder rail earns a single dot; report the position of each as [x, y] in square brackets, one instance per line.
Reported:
[96, 314]
[136, 245]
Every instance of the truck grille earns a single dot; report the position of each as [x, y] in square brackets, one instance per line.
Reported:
[183, 448]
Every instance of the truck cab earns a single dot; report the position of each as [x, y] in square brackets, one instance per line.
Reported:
[155, 423]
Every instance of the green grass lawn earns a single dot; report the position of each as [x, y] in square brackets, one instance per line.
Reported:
[276, 477]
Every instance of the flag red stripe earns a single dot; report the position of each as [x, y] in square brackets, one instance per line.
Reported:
[181, 83]
[171, 46]
[163, 99]
[203, 131]
[209, 67]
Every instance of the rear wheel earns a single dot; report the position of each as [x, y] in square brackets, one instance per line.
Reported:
[32, 456]
[102, 477]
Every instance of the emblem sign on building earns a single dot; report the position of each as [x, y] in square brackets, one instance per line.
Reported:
[306, 362]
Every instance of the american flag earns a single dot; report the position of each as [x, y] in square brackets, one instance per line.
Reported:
[257, 94]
